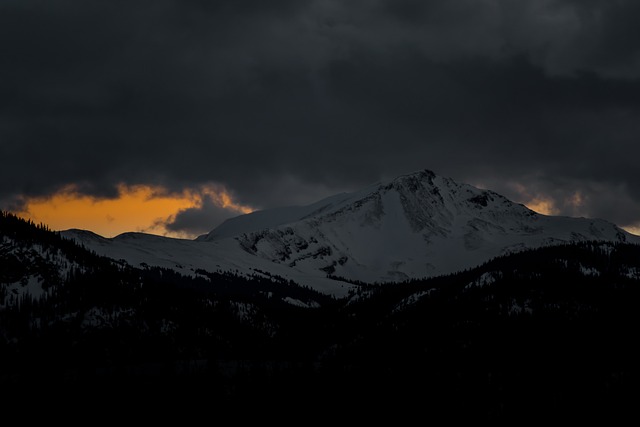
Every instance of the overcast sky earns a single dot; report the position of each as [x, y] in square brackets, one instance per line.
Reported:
[287, 101]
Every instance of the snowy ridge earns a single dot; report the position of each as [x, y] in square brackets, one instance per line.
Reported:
[417, 225]
[43, 267]
[271, 218]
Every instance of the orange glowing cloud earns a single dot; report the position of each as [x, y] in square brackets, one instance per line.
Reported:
[542, 205]
[633, 229]
[137, 208]
[537, 203]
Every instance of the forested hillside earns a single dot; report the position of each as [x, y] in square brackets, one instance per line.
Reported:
[545, 333]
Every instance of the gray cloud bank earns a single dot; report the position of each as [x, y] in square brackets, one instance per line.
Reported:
[287, 101]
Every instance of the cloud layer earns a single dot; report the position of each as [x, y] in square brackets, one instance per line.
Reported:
[287, 101]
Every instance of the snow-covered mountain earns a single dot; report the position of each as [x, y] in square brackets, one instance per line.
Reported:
[85, 322]
[417, 225]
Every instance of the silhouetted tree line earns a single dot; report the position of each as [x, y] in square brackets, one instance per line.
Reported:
[550, 332]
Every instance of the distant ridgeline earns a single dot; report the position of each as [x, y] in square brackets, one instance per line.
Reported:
[545, 332]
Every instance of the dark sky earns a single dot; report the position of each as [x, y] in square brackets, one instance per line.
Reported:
[287, 101]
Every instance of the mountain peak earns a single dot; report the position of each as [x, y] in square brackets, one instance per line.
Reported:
[420, 175]
[415, 225]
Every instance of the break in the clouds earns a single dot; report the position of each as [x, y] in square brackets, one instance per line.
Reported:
[214, 205]
[284, 102]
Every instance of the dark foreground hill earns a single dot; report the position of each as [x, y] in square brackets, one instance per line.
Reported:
[541, 335]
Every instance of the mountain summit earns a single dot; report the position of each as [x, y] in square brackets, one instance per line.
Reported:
[416, 225]
[419, 224]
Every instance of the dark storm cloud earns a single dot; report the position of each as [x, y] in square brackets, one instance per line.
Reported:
[288, 101]
[196, 221]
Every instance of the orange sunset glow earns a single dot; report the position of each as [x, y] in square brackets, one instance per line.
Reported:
[546, 206]
[137, 208]
[542, 206]
[633, 229]
[147, 209]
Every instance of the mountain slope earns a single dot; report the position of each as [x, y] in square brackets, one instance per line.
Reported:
[64, 308]
[549, 333]
[417, 225]
[414, 226]
[543, 334]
